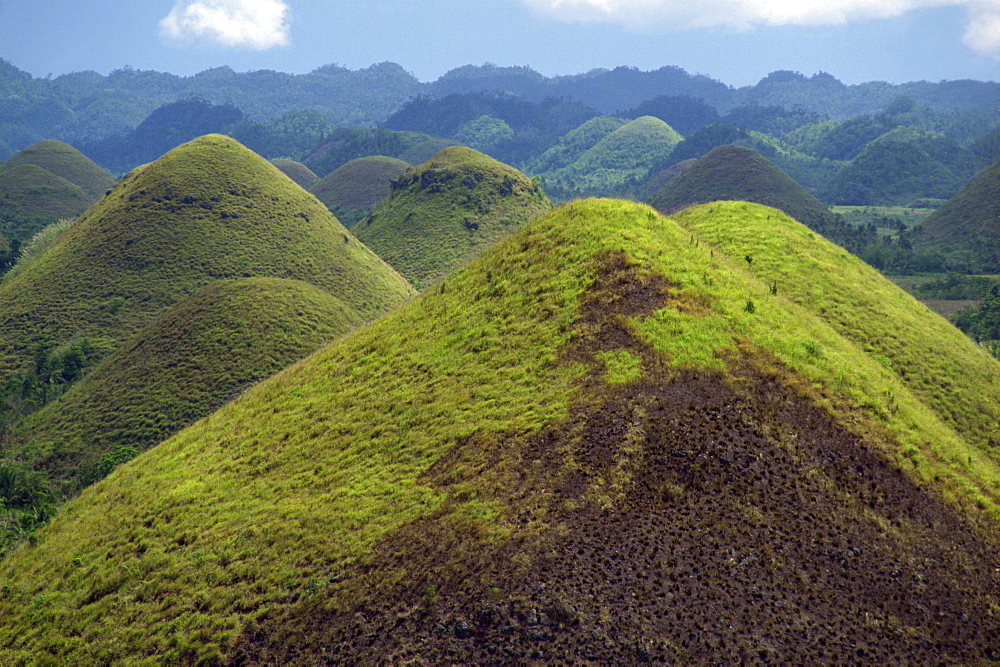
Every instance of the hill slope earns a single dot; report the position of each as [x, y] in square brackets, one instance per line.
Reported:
[207, 210]
[737, 173]
[296, 171]
[351, 190]
[448, 210]
[65, 162]
[585, 446]
[969, 221]
[200, 354]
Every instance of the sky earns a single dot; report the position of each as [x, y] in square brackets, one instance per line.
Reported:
[735, 41]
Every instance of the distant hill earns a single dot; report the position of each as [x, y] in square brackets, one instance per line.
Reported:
[207, 210]
[44, 182]
[576, 142]
[424, 151]
[620, 159]
[607, 439]
[740, 174]
[969, 222]
[201, 353]
[65, 162]
[296, 171]
[446, 211]
[351, 190]
[889, 172]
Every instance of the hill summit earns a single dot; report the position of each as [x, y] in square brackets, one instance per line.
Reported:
[741, 174]
[610, 438]
[207, 210]
[351, 190]
[969, 221]
[46, 181]
[446, 211]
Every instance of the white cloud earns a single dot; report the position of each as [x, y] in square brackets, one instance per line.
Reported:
[982, 33]
[255, 24]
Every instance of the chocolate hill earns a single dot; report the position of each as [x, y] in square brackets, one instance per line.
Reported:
[353, 189]
[46, 181]
[741, 174]
[446, 211]
[613, 437]
[207, 210]
[969, 221]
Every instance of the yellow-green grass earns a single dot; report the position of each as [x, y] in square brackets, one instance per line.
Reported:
[169, 558]
[351, 190]
[298, 172]
[207, 210]
[448, 210]
[67, 163]
[39, 192]
[425, 150]
[741, 174]
[203, 352]
[905, 368]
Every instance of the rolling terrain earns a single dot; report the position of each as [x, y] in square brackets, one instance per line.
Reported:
[446, 211]
[298, 172]
[353, 189]
[741, 174]
[200, 354]
[614, 436]
[207, 210]
[969, 222]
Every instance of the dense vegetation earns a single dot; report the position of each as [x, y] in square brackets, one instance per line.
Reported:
[491, 446]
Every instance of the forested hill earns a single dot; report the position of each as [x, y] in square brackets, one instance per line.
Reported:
[87, 107]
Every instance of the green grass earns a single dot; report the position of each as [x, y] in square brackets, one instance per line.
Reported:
[280, 491]
[968, 221]
[203, 352]
[67, 163]
[298, 172]
[740, 174]
[207, 210]
[353, 189]
[448, 210]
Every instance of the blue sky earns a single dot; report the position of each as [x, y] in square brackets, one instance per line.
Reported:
[735, 41]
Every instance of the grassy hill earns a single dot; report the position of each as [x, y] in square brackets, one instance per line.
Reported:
[969, 222]
[425, 150]
[613, 437]
[448, 210]
[201, 353]
[207, 210]
[296, 171]
[622, 157]
[352, 190]
[737, 173]
[67, 163]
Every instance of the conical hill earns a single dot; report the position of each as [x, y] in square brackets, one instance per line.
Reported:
[969, 221]
[737, 173]
[351, 190]
[67, 163]
[207, 210]
[298, 172]
[613, 437]
[448, 210]
[203, 352]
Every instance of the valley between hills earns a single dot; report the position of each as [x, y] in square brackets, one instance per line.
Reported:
[618, 368]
